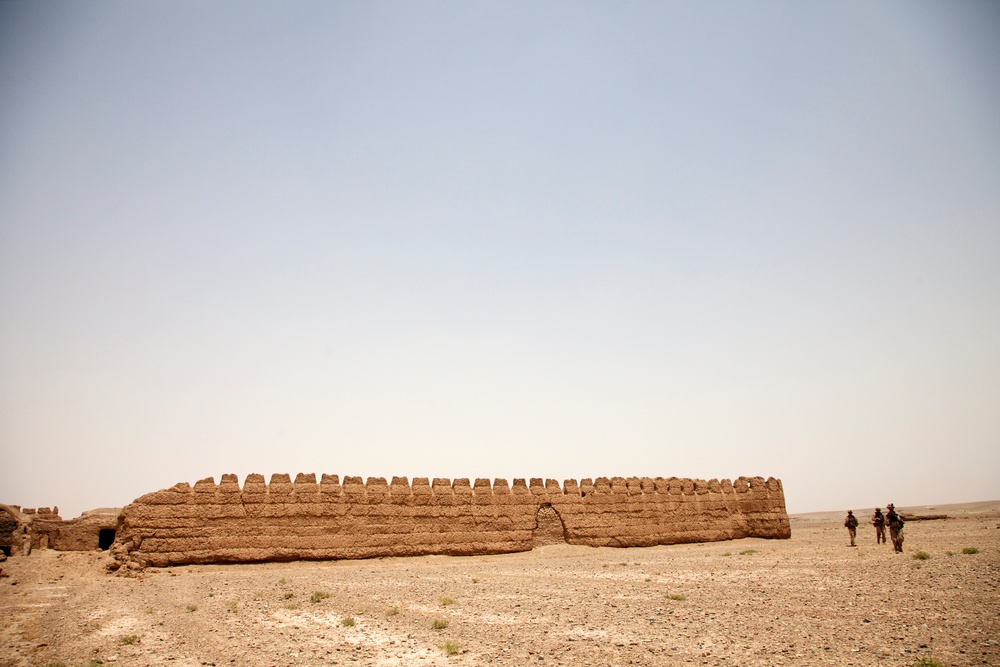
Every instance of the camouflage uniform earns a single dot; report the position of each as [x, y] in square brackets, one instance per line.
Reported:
[879, 522]
[851, 523]
[895, 528]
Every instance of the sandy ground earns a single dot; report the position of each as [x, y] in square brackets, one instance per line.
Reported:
[810, 600]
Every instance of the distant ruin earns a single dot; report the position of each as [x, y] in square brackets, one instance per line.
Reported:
[22, 530]
[329, 519]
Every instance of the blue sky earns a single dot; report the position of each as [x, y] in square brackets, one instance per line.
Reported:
[501, 240]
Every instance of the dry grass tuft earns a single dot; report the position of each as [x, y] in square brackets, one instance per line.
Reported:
[450, 647]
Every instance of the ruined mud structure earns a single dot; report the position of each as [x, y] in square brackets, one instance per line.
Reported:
[21, 531]
[12, 530]
[285, 520]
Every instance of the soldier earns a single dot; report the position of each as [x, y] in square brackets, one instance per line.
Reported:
[851, 523]
[879, 522]
[895, 528]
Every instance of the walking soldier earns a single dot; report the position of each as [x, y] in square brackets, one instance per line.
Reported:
[895, 528]
[878, 520]
[851, 523]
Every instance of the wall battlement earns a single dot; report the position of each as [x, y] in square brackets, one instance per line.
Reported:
[330, 518]
[305, 485]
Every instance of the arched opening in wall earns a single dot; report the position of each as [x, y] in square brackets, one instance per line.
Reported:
[549, 528]
[105, 538]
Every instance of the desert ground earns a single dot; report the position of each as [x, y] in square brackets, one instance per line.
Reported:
[809, 600]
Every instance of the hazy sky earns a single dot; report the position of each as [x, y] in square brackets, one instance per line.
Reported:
[500, 239]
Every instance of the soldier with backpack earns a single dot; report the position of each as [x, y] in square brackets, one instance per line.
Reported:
[851, 523]
[895, 528]
[878, 520]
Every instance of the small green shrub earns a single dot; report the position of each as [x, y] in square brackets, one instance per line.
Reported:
[921, 555]
[676, 597]
[392, 611]
[928, 661]
[129, 640]
[970, 550]
[446, 601]
[347, 621]
[288, 596]
[748, 552]
[726, 553]
[450, 647]
[192, 607]
[318, 595]
[292, 607]
[439, 624]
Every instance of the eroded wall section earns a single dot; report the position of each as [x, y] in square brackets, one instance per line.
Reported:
[333, 519]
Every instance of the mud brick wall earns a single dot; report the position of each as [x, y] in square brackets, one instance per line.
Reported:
[80, 534]
[334, 519]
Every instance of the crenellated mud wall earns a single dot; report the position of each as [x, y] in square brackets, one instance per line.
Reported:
[330, 519]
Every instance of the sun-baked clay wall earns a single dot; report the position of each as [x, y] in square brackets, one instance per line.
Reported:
[282, 520]
[11, 530]
[79, 534]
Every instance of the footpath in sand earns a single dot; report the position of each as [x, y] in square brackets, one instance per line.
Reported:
[810, 600]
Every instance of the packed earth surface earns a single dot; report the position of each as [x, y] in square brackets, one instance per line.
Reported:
[808, 600]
